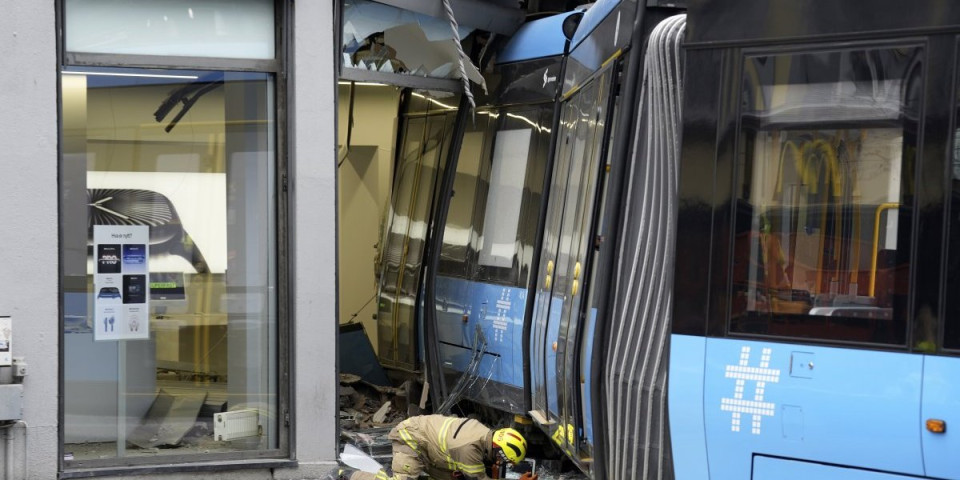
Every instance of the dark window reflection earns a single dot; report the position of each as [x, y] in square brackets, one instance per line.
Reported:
[824, 190]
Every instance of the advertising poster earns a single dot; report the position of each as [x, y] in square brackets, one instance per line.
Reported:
[120, 288]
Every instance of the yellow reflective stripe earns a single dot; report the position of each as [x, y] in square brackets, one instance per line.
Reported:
[443, 434]
[442, 443]
[471, 469]
[558, 435]
[453, 465]
[408, 439]
[381, 475]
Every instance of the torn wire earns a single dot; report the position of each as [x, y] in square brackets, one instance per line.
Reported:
[469, 376]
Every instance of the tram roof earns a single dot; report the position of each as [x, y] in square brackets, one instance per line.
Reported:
[592, 18]
[756, 21]
[537, 39]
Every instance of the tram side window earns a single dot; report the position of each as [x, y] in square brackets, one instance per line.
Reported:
[512, 196]
[459, 236]
[951, 328]
[823, 193]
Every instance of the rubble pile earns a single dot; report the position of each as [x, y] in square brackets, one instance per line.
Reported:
[364, 405]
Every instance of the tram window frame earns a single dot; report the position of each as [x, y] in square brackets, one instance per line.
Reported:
[949, 335]
[457, 260]
[519, 272]
[748, 157]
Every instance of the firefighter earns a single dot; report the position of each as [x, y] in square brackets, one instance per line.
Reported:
[449, 448]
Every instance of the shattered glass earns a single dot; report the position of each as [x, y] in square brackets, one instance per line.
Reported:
[387, 39]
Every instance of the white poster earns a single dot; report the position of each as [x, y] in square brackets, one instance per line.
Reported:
[121, 291]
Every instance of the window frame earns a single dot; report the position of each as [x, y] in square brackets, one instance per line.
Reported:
[951, 159]
[284, 455]
[735, 59]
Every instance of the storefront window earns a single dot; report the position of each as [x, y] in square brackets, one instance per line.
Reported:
[212, 28]
[168, 233]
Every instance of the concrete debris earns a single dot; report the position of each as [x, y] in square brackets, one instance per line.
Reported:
[364, 405]
[381, 414]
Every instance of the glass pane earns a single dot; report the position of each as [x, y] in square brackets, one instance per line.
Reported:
[588, 328]
[512, 204]
[460, 234]
[545, 326]
[396, 236]
[213, 28]
[825, 184]
[505, 196]
[421, 207]
[169, 262]
[425, 142]
[951, 328]
[580, 203]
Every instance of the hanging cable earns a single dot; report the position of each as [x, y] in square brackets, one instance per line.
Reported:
[346, 150]
[354, 315]
[461, 67]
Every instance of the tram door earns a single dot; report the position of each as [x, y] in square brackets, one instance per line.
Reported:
[426, 136]
[559, 316]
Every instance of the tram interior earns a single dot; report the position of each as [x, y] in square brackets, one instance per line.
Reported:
[820, 230]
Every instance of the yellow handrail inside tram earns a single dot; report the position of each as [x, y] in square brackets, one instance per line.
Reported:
[876, 242]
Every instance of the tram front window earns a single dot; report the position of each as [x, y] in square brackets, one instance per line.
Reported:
[824, 182]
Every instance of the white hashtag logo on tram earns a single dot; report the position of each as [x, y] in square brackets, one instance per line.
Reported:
[757, 408]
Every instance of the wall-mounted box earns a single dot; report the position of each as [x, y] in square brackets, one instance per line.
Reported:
[11, 402]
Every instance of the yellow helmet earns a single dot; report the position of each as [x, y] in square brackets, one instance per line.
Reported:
[511, 443]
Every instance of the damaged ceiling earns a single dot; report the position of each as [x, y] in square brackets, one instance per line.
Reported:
[416, 39]
[394, 41]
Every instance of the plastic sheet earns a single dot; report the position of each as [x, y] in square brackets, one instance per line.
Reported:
[355, 458]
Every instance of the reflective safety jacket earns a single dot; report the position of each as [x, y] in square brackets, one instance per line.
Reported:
[448, 444]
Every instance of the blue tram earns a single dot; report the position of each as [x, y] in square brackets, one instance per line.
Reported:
[527, 232]
[501, 252]
[714, 245]
[813, 333]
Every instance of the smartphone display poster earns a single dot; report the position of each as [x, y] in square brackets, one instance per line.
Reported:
[120, 289]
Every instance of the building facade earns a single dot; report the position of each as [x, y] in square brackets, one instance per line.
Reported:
[169, 187]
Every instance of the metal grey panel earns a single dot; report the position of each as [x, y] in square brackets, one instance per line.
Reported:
[635, 376]
[401, 80]
[11, 402]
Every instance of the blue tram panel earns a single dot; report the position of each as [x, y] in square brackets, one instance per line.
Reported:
[766, 468]
[858, 409]
[941, 393]
[461, 306]
[537, 39]
[685, 394]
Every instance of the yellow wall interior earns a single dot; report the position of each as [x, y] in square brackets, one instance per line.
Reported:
[364, 174]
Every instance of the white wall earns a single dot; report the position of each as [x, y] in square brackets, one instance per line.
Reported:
[29, 246]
